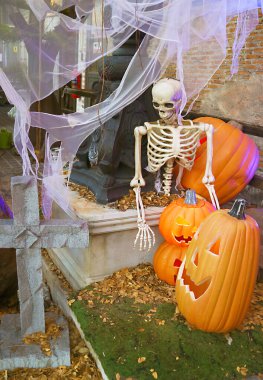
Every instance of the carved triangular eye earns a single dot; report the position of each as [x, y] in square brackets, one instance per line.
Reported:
[214, 249]
[181, 221]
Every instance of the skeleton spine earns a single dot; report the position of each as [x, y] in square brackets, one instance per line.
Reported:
[168, 175]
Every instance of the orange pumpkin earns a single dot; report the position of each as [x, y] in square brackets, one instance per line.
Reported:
[235, 161]
[167, 260]
[181, 218]
[216, 280]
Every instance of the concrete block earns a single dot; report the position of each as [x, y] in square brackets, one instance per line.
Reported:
[111, 238]
[16, 354]
[30, 284]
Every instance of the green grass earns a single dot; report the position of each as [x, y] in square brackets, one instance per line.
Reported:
[130, 331]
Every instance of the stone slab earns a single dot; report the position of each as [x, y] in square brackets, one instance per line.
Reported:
[55, 233]
[30, 280]
[111, 243]
[25, 200]
[16, 354]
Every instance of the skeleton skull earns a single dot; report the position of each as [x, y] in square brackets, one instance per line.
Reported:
[166, 99]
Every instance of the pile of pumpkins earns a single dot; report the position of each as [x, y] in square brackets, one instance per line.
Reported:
[212, 256]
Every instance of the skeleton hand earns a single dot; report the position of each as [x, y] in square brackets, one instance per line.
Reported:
[145, 235]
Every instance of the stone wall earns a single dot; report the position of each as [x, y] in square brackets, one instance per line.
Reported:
[241, 97]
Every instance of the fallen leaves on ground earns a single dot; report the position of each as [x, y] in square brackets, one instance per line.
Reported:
[128, 201]
[83, 191]
[140, 284]
[149, 198]
[53, 331]
[83, 366]
[53, 268]
[255, 312]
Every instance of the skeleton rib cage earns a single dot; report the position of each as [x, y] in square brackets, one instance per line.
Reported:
[166, 142]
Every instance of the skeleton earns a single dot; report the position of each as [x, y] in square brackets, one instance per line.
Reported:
[167, 144]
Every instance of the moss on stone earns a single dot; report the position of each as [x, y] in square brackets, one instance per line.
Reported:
[123, 332]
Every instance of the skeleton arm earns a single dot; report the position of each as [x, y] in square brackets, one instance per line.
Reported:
[208, 179]
[145, 234]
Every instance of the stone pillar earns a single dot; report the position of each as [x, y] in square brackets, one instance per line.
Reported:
[106, 158]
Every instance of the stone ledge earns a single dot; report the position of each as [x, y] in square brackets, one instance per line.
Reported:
[111, 243]
[60, 296]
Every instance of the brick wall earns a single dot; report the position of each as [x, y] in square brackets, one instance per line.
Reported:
[239, 98]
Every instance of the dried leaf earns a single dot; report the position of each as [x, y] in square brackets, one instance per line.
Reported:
[160, 322]
[139, 283]
[242, 370]
[83, 350]
[70, 302]
[150, 198]
[141, 359]
[43, 339]
[229, 339]
[155, 375]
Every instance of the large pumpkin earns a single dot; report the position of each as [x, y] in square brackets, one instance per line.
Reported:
[215, 282]
[235, 160]
[181, 218]
[167, 260]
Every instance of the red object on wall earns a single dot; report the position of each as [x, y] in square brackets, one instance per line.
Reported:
[76, 83]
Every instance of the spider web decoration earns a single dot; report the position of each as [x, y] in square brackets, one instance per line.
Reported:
[39, 46]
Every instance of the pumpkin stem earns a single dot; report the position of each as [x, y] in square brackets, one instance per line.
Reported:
[190, 197]
[238, 209]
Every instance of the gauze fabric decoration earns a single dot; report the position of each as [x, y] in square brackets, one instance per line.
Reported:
[40, 54]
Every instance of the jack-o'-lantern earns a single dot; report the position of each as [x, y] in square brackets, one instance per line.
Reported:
[167, 260]
[235, 161]
[215, 282]
[181, 218]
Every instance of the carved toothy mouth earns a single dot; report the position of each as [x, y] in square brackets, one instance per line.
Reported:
[195, 290]
[182, 239]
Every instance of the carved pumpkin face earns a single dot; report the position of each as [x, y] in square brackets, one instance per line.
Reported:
[216, 280]
[167, 261]
[180, 220]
